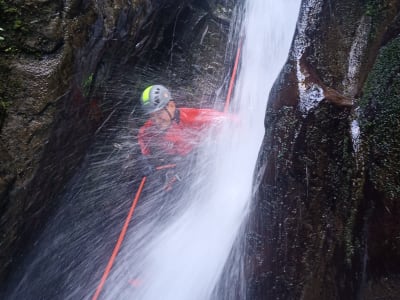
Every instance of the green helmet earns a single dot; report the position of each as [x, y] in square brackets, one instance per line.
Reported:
[154, 98]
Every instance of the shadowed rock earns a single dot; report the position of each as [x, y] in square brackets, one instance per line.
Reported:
[327, 187]
[69, 70]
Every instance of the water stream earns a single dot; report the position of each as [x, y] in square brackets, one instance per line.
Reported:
[184, 257]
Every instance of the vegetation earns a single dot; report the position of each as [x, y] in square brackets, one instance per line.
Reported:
[13, 31]
[87, 84]
[12, 25]
[379, 11]
[375, 8]
[381, 120]
[7, 91]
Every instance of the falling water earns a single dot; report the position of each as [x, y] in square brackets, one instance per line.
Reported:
[183, 257]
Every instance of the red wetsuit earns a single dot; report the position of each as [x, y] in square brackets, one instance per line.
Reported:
[185, 132]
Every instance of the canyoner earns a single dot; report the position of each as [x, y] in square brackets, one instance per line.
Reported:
[168, 142]
[171, 135]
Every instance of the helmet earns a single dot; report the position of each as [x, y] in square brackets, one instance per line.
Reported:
[154, 98]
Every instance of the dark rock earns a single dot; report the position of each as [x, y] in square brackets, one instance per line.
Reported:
[59, 59]
[327, 202]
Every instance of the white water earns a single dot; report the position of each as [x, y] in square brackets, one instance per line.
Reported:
[184, 258]
[310, 96]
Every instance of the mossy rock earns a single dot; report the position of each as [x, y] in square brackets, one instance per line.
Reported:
[380, 123]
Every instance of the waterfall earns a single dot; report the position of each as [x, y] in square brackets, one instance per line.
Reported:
[184, 256]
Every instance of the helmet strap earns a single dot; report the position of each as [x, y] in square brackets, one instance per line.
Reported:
[177, 116]
[169, 114]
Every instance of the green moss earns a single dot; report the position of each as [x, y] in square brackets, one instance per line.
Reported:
[374, 8]
[3, 111]
[87, 84]
[380, 123]
[379, 11]
[10, 26]
[10, 22]
[7, 90]
[15, 22]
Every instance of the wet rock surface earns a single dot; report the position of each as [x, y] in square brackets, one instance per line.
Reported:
[72, 68]
[327, 183]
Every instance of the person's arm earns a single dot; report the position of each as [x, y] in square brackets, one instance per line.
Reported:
[204, 118]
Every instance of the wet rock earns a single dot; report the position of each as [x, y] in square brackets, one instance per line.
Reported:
[58, 60]
[380, 116]
[325, 202]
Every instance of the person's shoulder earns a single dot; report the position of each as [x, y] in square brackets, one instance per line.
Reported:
[148, 123]
[146, 126]
[196, 111]
[188, 113]
[187, 109]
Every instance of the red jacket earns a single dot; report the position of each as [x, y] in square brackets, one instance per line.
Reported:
[184, 134]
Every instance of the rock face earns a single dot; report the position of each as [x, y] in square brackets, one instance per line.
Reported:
[328, 189]
[56, 59]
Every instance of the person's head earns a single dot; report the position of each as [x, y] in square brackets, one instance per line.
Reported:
[157, 102]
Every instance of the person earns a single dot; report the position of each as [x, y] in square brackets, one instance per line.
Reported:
[172, 131]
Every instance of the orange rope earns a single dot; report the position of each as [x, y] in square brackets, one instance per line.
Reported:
[232, 82]
[129, 217]
[119, 242]
[165, 167]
